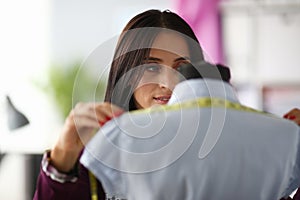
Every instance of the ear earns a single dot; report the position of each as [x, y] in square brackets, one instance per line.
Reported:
[225, 72]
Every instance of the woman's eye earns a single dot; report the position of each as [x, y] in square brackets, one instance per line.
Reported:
[181, 64]
[153, 68]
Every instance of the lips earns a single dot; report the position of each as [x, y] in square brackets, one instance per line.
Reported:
[162, 99]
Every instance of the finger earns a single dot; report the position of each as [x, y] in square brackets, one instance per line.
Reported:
[87, 110]
[100, 112]
[85, 122]
[84, 108]
[110, 109]
[102, 115]
[298, 121]
[107, 111]
[117, 111]
[292, 113]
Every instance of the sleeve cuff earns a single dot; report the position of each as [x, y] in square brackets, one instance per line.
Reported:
[56, 175]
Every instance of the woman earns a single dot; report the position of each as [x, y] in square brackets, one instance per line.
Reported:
[151, 45]
[167, 42]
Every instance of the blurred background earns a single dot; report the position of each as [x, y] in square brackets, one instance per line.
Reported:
[43, 43]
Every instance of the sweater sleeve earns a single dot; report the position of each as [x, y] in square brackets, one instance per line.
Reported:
[48, 188]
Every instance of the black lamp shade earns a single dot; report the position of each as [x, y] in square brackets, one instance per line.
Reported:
[15, 118]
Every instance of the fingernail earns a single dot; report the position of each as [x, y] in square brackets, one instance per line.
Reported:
[285, 116]
[292, 117]
[101, 123]
[106, 120]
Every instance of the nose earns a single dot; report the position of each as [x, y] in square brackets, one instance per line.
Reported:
[168, 78]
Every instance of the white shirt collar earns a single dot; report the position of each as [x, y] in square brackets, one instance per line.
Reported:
[197, 88]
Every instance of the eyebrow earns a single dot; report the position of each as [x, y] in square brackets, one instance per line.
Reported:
[182, 58]
[159, 60]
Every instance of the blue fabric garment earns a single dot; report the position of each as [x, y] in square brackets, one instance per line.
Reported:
[187, 151]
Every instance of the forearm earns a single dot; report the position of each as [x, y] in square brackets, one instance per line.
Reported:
[63, 160]
[67, 149]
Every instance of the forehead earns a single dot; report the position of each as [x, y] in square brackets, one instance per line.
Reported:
[172, 42]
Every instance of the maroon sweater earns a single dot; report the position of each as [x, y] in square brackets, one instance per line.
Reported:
[47, 188]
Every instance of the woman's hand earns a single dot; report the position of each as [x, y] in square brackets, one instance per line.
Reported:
[293, 115]
[81, 124]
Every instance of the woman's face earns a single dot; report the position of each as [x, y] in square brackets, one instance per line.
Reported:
[169, 50]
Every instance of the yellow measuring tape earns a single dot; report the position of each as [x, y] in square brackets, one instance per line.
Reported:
[93, 186]
[201, 102]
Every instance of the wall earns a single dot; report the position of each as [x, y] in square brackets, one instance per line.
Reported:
[262, 46]
[77, 28]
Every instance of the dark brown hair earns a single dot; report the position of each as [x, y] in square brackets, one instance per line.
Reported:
[133, 48]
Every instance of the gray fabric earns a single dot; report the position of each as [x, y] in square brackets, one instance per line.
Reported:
[197, 152]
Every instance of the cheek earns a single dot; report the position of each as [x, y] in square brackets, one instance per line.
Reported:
[143, 95]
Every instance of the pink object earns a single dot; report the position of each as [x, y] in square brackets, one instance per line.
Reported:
[204, 18]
